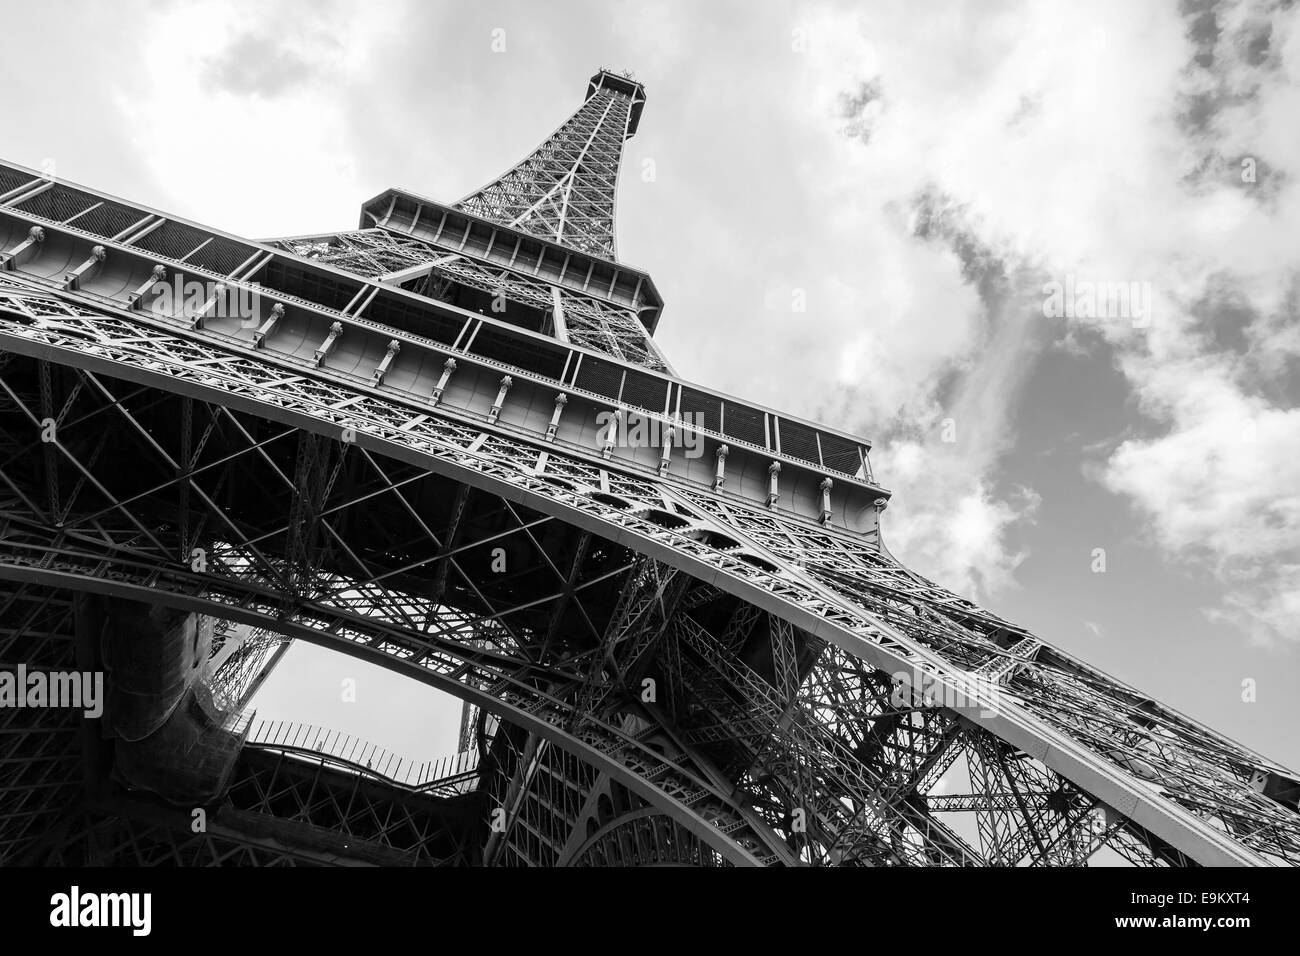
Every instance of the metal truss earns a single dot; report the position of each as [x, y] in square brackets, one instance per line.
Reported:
[280, 810]
[565, 189]
[557, 811]
[284, 805]
[242, 661]
[663, 669]
[512, 674]
[582, 318]
[41, 762]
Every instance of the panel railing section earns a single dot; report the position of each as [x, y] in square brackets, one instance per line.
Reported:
[454, 773]
[391, 340]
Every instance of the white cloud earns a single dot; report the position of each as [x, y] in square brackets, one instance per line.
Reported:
[1221, 486]
[1079, 140]
[248, 103]
[897, 341]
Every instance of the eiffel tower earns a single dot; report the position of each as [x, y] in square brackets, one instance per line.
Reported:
[446, 442]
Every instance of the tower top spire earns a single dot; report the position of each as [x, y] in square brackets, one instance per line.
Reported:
[565, 190]
[624, 82]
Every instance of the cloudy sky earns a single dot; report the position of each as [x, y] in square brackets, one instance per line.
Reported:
[1127, 486]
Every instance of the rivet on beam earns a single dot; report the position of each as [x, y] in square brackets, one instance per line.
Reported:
[666, 457]
[773, 495]
[506, 382]
[448, 367]
[560, 401]
[277, 313]
[335, 331]
[156, 276]
[826, 487]
[72, 281]
[720, 476]
[394, 347]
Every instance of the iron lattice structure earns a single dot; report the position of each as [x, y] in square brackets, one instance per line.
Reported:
[566, 189]
[446, 443]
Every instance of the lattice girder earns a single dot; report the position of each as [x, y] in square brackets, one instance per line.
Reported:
[565, 190]
[798, 594]
[710, 663]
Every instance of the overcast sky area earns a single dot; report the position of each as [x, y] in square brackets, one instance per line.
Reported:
[1126, 487]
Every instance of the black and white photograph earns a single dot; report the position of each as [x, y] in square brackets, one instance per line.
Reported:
[440, 434]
